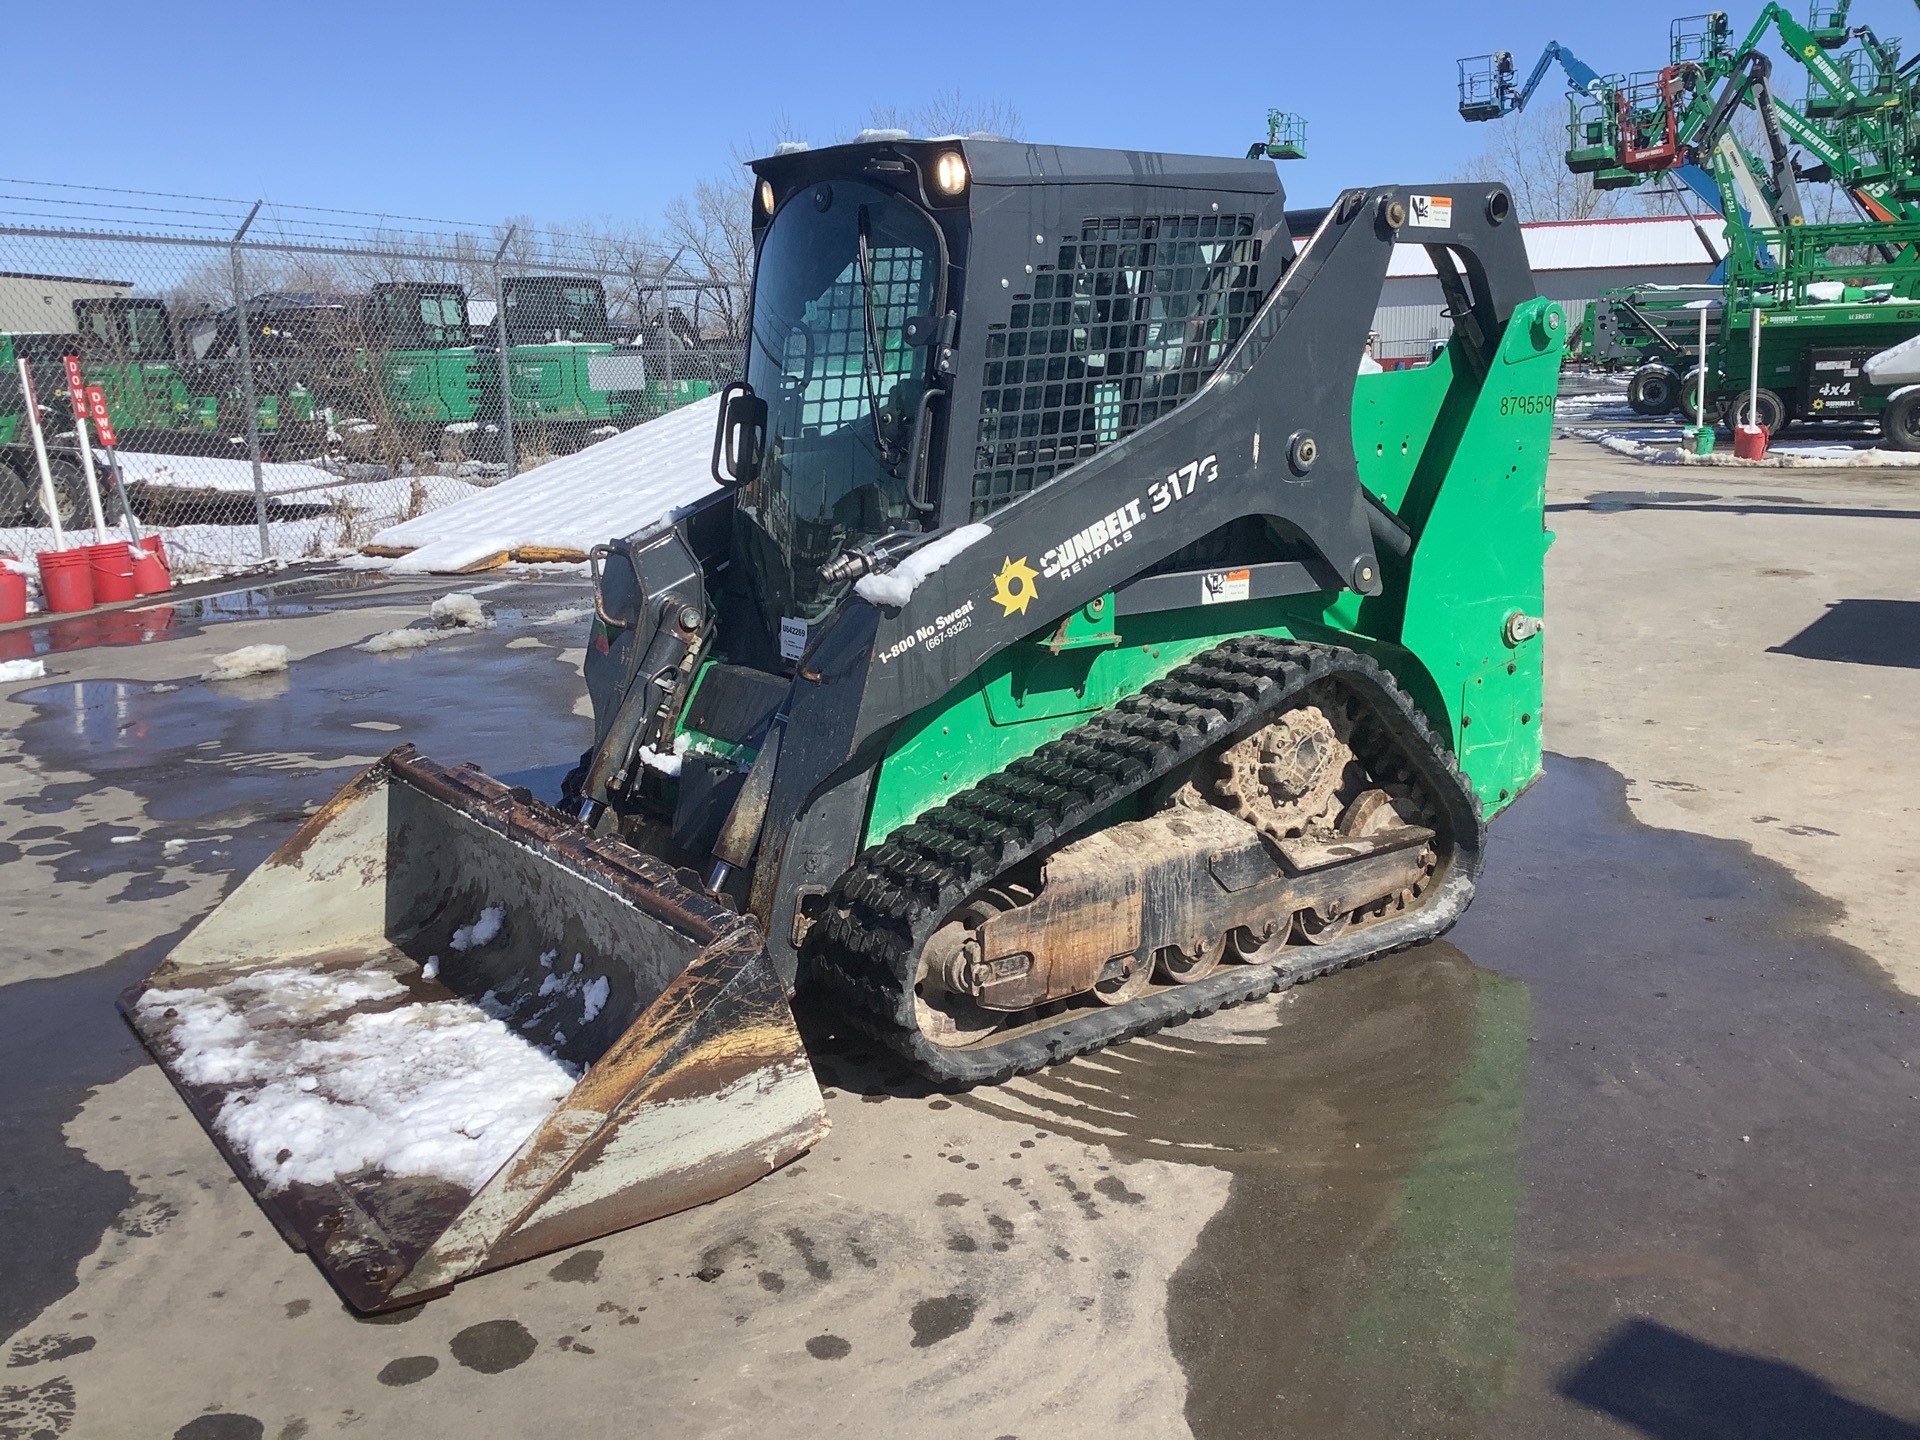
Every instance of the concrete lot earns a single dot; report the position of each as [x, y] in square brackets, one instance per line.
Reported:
[1632, 1152]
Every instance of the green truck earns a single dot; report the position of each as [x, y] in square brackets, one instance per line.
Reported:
[159, 397]
[569, 374]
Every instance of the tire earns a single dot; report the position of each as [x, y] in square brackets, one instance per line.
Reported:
[70, 493]
[1654, 390]
[1900, 421]
[16, 496]
[1689, 388]
[1770, 408]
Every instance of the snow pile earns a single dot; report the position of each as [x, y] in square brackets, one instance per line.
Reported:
[1660, 445]
[248, 660]
[459, 612]
[667, 763]
[896, 587]
[455, 614]
[451, 557]
[334, 512]
[389, 641]
[572, 503]
[22, 670]
[206, 472]
[321, 1088]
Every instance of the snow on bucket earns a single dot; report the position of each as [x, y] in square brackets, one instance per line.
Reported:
[151, 575]
[443, 1029]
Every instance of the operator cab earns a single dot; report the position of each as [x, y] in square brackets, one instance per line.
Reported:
[408, 316]
[123, 330]
[885, 397]
[555, 310]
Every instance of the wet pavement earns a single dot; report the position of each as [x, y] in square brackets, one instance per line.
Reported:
[1635, 1132]
[1631, 1152]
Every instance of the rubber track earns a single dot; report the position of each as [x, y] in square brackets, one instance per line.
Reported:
[883, 909]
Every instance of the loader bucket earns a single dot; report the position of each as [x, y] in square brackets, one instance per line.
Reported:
[443, 1028]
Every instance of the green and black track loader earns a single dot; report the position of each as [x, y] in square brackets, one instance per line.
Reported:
[1075, 643]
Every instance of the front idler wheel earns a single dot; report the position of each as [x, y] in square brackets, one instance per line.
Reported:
[947, 1016]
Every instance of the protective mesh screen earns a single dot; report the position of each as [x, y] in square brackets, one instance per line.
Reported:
[1136, 312]
[842, 370]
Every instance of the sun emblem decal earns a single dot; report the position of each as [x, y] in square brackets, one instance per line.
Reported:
[1013, 586]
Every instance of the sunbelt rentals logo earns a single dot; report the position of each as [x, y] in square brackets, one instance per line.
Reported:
[1013, 586]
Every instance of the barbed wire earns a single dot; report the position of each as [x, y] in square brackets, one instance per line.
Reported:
[104, 214]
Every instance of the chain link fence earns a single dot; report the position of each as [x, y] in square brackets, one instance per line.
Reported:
[282, 382]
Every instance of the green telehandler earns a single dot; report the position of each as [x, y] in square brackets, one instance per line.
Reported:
[1074, 644]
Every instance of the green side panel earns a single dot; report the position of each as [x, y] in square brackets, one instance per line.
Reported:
[9, 428]
[554, 382]
[431, 387]
[1464, 466]
[142, 395]
[1480, 562]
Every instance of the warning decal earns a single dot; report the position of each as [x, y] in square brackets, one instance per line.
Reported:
[1433, 212]
[1220, 586]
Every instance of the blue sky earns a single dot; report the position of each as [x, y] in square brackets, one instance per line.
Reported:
[599, 111]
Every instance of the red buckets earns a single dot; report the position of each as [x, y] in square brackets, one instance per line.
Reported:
[150, 573]
[112, 566]
[13, 595]
[66, 576]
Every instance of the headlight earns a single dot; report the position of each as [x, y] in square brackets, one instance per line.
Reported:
[950, 173]
[766, 197]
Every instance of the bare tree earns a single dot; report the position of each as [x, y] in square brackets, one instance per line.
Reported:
[1527, 152]
[949, 112]
[709, 243]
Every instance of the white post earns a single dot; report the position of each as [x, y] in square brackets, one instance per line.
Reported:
[93, 481]
[1700, 388]
[1753, 361]
[49, 498]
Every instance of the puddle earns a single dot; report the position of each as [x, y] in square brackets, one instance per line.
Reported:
[1637, 1081]
[515, 603]
[222, 779]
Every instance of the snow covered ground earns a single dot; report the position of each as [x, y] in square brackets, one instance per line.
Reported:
[1608, 405]
[341, 511]
[572, 503]
[1660, 445]
[207, 472]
